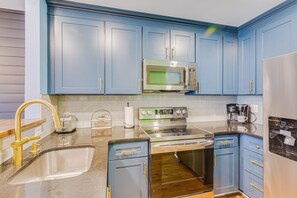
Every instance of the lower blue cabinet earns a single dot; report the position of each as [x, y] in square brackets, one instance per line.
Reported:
[226, 165]
[253, 186]
[128, 170]
[251, 166]
[128, 178]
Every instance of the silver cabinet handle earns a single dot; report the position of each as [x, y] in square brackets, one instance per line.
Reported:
[166, 52]
[100, 85]
[172, 53]
[255, 186]
[256, 163]
[198, 86]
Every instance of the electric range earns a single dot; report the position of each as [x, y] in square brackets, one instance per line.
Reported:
[182, 156]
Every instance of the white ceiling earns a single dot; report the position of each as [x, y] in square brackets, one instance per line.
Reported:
[227, 12]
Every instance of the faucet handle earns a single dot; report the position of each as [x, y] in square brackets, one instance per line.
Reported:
[25, 140]
[37, 137]
[35, 148]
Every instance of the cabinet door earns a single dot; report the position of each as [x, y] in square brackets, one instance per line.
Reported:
[156, 43]
[253, 186]
[182, 46]
[274, 39]
[79, 56]
[226, 170]
[128, 178]
[247, 65]
[230, 64]
[123, 59]
[209, 63]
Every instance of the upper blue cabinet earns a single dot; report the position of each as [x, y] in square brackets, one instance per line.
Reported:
[123, 59]
[78, 56]
[230, 64]
[163, 44]
[88, 58]
[274, 39]
[209, 63]
[156, 43]
[247, 63]
[182, 46]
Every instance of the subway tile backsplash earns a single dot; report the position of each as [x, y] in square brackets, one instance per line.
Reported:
[201, 108]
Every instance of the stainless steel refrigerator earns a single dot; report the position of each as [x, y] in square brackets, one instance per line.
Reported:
[280, 126]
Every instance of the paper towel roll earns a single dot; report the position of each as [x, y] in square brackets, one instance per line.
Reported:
[129, 117]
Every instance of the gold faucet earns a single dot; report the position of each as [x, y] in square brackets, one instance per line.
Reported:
[17, 145]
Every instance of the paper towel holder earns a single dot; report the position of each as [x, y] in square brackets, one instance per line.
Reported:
[126, 125]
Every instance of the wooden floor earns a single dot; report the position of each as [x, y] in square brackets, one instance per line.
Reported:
[233, 195]
[210, 195]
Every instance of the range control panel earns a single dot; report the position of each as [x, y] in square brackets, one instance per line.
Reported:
[149, 113]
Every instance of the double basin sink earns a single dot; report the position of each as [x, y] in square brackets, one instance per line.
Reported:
[56, 163]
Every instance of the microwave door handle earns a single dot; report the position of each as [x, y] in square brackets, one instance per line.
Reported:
[186, 76]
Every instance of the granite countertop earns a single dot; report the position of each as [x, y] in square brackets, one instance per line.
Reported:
[93, 182]
[7, 126]
[89, 184]
[224, 128]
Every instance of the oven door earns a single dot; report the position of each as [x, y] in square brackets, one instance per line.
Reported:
[165, 76]
[182, 173]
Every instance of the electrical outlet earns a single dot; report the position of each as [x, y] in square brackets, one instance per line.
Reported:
[254, 108]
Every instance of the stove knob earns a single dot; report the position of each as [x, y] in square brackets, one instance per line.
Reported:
[178, 112]
[184, 111]
[149, 113]
[143, 112]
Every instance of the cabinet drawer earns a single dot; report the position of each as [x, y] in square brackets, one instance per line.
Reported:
[253, 163]
[253, 186]
[226, 141]
[127, 150]
[253, 144]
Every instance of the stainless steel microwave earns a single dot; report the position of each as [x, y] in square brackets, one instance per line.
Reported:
[161, 75]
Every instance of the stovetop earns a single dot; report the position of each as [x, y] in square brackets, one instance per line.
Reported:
[175, 132]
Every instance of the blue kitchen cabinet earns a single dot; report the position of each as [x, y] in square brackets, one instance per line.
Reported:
[156, 43]
[230, 64]
[128, 169]
[128, 178]
[183, 46]
[164, 44]
[247, 63]
[78, 66]
[226, 164]
[251, 166]
[123, 59]
[274, 39]
[209, 63]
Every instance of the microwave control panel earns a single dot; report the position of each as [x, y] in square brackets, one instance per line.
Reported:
[192, 77]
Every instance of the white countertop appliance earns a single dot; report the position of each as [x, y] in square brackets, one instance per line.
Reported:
[280, 126]
[181, 155]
